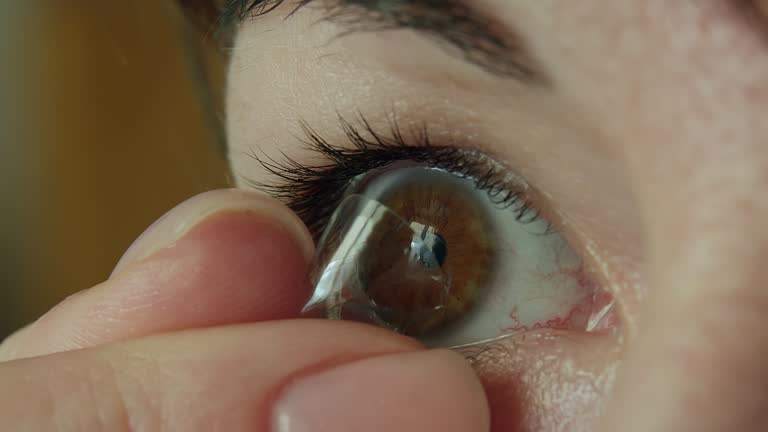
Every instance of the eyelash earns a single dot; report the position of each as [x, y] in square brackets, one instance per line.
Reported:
[314, 192]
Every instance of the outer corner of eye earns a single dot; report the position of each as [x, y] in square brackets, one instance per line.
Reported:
[446, 259]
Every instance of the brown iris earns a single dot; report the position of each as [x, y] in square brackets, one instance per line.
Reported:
[448, 279]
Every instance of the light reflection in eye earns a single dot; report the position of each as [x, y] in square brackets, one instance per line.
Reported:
[502, 274]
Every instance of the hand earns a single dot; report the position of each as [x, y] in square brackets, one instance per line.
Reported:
[193, 332]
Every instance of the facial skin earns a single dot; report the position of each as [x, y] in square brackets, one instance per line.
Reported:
[647, 144]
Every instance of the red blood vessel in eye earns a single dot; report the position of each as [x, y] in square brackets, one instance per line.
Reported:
[594, 313]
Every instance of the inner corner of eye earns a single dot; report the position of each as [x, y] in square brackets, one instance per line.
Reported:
[438, 257]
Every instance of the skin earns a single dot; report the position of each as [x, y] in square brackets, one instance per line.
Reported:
[646, 148]
[156, 348]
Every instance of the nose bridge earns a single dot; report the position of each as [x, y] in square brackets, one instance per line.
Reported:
[690, 117]
[707, 225]
[699, 162]
[699, 165]
[702, 330]
[680, 89]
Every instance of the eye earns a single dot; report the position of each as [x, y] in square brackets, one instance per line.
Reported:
[442, 244]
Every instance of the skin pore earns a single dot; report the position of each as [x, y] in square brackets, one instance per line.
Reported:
[644, 136]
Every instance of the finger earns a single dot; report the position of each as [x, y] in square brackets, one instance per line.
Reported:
[289, 376]
[220, 258]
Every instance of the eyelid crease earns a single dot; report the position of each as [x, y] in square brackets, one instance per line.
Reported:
[315, 191]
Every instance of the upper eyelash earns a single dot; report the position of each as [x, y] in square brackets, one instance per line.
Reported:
[314, 191]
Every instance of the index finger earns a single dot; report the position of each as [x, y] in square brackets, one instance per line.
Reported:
[289, 376]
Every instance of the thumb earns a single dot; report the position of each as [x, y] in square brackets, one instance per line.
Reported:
[222, 257]
[288, 376]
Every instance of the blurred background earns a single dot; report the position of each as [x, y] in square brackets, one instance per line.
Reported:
[111, 114]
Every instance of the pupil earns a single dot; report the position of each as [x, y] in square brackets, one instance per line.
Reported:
[440, 250]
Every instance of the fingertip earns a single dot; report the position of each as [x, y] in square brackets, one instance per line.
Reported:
[180, 220]
[415, 391]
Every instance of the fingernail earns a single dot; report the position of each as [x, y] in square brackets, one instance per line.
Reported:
[176, 223]
[417, 391]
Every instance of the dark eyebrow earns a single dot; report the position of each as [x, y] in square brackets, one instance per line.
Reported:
[465, 30]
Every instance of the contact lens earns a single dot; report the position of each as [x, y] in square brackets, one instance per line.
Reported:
[428, 253]
[409, 248]
[374, 266]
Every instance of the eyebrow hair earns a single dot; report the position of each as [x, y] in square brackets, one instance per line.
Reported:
[454, 24]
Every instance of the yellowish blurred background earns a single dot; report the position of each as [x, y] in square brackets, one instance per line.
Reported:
[129, 119]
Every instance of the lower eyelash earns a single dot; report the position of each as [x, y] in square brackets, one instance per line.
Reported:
[313, 192]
